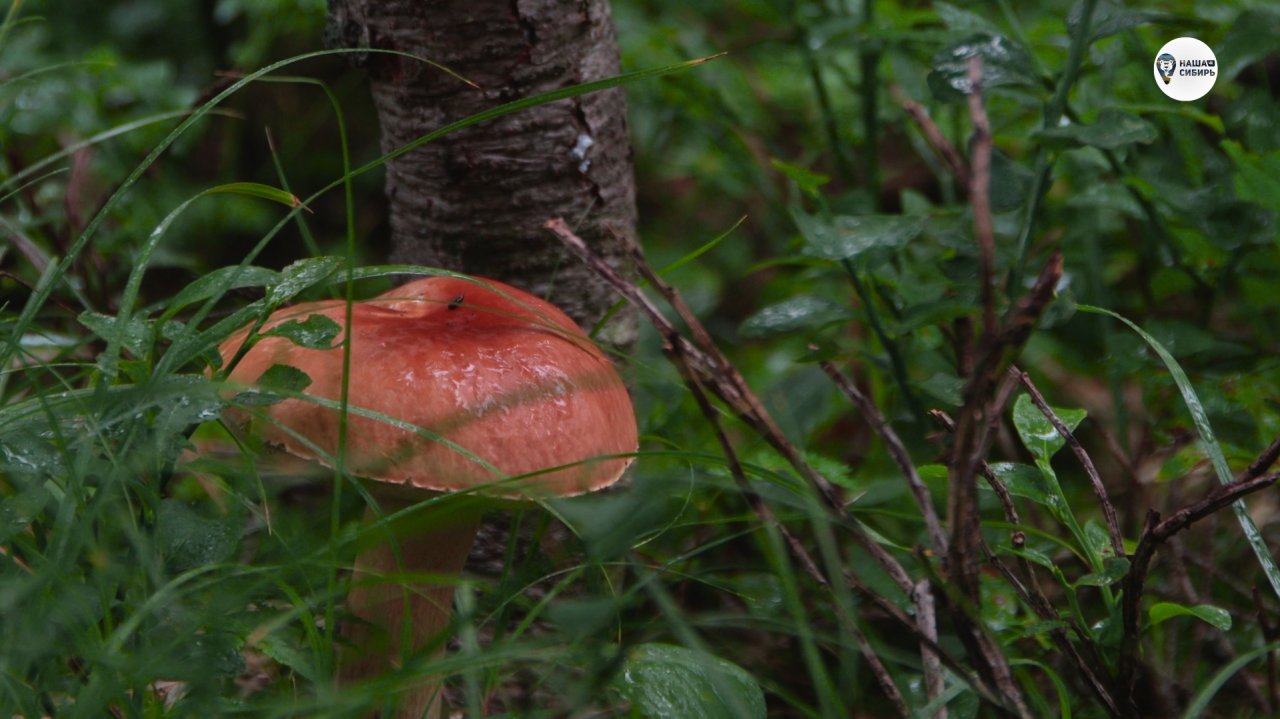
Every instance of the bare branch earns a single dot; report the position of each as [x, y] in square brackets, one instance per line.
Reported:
[933, 135]
[724, 380]
[980, 195]
[897, 450]
[1154, 533]
[1108, 509]
[714, 372]
[1264, 461]
[934, 680]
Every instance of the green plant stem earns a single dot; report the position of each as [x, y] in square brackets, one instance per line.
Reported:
[830, 122]
[869, 60]
[1052, 114]
[890, 346]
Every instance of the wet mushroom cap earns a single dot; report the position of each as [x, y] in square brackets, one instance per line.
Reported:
[491, 374]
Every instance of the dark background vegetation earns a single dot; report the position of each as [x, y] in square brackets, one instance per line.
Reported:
[123, 582]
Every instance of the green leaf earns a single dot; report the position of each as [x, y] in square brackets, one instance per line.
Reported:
[1110, 17]
[846, 237]
[809, 182]
[219, 281]
[286, 654]
[944, 387]
[17, 511]
[804, 312]
[961, 20]
[1215, 616]
[1113, 570]
[610, 524]
[1004, 62]
[1037, 432]
[663, 680]
[1251, 37]
[316, 332]
[1010, 183]
[189, 540]
[1025, 481]
[278, 381]
[134, 336]
[1257, 177]
[303, 274]
[1112, 130]
[584, 617]
[1099, 539]
[1207, 692]
[761, 592]
[1212, 447]
[256, 189]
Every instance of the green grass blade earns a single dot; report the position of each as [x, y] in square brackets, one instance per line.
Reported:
[1201, 702]
[1216, 456]
[103, 136]
[9, 19]
[134, 285]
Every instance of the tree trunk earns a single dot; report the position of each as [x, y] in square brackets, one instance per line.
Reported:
[475, 200]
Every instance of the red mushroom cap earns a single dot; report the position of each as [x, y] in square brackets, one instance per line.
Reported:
[502, 377]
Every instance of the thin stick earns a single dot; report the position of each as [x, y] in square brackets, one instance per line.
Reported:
[757, 503]
[1156, 532]
[724, 380]
[980, 195]
[714, 371]
[1269, 635]
[897, 450]
[934, 679]
[797, 549]
[939, 142]
[1264, 461]
[1108, 509]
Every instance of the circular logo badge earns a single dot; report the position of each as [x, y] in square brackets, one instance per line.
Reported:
[1185, 69]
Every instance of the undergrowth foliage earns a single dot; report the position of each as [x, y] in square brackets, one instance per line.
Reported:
[972, 415]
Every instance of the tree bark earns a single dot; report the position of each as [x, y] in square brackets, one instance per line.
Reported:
[475, 200]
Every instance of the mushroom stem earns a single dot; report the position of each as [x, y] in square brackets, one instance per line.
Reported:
[400, 606]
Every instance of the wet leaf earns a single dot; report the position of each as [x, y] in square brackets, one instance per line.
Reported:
[1023, 480]
[303, 274]
[189, 539]
[946, 388]
[846, 237]
[134, 335]
[1216, 616]
[1251, 38]
[1037, 432]
[316, 332]
[1010, 183]
[1113, 129]
[1257, 177]
[805, 312]
[807, 180]
[1110, 17]
[221, 280]
[1113, 570]
[663, 680]
[278, 381]
[1004, 62]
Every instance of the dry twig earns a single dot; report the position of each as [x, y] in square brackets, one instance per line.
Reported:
[938, 141]
[1154, 533]
[980, 196]
[1108, 509]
